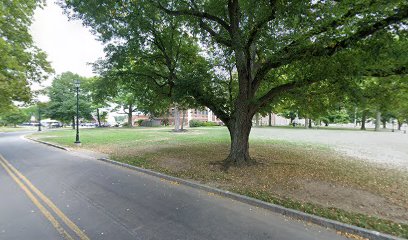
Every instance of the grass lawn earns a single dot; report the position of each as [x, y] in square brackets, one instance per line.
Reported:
[16, 129]
[307, 177]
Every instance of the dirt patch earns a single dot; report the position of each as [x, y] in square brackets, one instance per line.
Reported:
[349, 199]
[132, 149]
[173, 164]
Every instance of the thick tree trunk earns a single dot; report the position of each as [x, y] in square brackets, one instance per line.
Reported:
[130, 116]
[399, 125]
[270, 120]
[239, 129]
[306, 122]
[378, 121]
[384, 122]
[310, 123]
[98, 117]
[363, 120]
[176, 119]
[73, 122]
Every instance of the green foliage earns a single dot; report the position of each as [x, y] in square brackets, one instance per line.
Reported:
[210, 124]
[387, 94]
[197, 123]
[139, 122]
[104, 116]
[152, 71]
[21, 62]
[338, 116]
[62, 94]
[13, 116]
[294, 45]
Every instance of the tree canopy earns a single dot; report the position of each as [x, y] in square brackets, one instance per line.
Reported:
[273, 48]
[62, 94]
[21, 62]
[13, 116]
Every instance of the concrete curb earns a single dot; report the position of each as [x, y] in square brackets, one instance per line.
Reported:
[295, 214]
[47, 143]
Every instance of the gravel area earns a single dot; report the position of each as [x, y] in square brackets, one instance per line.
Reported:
[386, 148]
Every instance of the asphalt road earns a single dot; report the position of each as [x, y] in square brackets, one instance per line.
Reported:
[47, 193]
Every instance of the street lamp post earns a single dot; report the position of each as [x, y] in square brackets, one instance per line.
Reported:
[77, 84]
[39, 118]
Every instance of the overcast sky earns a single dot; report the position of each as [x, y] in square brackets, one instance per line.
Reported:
[69, 45]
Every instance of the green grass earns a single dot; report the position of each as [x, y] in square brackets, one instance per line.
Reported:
[283, 169]
[97, 136]
[17, 129]
[151, 136]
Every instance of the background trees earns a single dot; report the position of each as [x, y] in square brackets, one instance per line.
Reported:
[13, 116]
[62, 94]
[277, 49]
[21, 62]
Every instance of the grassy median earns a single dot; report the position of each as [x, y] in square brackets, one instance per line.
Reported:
[306, 177]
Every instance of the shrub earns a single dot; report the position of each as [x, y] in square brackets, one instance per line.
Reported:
[210, 124]
[140, 122]
[196, 123]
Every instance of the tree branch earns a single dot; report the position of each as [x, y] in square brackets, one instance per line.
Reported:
[352, 12]
[259, 25]
[215, 35]
[272, 93]
[196, 13]
[285, 55]
[151, 78]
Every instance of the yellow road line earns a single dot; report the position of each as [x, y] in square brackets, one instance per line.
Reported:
[43, 210]
[48, 202]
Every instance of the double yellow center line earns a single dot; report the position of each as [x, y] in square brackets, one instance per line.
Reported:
[36, 196]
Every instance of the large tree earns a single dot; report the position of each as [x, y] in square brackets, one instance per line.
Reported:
[21, 62]
[276, 46]
[62, 94]
[13, 116]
